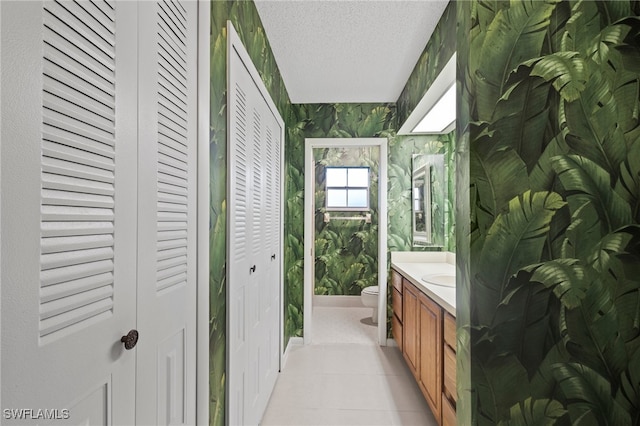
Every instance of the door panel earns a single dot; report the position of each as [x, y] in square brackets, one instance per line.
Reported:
[410, 324]
[430, 337]
[166, 213]
[68, 258]
[172, 376]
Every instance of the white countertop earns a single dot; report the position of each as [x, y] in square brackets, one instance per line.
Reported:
[414, 271]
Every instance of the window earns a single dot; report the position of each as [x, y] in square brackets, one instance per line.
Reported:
[347, 188]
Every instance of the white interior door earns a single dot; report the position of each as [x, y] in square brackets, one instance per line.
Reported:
[255, 229]
[166, 216]
[98, 211]
[68, 221]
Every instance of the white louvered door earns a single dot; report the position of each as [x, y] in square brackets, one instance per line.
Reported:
[166, 216]
[68, 210]
[255, 227]
[97, 173]
[240, 222]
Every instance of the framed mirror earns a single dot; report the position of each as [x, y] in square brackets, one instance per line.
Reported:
[428, 198]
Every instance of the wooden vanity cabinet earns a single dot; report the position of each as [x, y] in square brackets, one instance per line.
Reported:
[426, 335]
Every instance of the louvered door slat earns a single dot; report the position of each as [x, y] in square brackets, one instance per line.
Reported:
[172, 49]
[171, 88]
[78, 166]
[94, 310]
[58, 229]
[57, 166]
[71, 287]
[70, 74]
[240, 172]
[173, 112]
[171, 57]
[98, 11]
[71, 184]
[74, 272]
[76, 150]
[164, 188]
[62, 40]
[172, 154]
[64, 244]
[175, 24]
[169, 161]
[256, 185]
[89, 30]
[87, 104]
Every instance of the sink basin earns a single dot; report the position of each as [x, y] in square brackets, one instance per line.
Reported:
[444, 280]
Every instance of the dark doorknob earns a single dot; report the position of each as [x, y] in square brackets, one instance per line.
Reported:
[130, 339]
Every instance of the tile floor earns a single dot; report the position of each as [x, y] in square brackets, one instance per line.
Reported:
[345, 378]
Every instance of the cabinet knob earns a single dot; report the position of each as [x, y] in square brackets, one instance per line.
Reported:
[130, 340]
[252, 269]
[273, 257]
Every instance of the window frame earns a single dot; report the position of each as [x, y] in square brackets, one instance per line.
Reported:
[347, 187]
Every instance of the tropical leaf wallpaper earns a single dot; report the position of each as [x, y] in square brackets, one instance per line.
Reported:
[435, 56]
[549, 243]
[346, 252]
[322, 121]
[401, 151]
[351, 120]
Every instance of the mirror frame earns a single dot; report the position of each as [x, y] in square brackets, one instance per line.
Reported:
[425, 171]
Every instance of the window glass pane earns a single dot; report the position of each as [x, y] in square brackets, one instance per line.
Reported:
[359, 177]
[357, 198]
[336, 197]
[336, 176]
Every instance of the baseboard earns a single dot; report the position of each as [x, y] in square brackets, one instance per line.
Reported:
[392, 342]
[338, 301]
[293, 341]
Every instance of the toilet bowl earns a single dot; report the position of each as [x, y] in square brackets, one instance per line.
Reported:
[369, 297]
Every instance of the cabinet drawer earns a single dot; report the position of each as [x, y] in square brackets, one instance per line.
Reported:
[396, 280]
[448, 413]
[396, 330]
[450, 330]
[396, 300]
[449, 381]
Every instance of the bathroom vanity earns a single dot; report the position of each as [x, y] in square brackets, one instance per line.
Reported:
[424, 326]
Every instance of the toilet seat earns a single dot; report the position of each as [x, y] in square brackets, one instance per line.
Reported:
[373, 290]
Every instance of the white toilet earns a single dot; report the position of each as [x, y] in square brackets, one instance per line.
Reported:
[369, 297]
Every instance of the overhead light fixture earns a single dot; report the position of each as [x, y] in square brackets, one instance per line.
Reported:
[441, 115]
[436, 111]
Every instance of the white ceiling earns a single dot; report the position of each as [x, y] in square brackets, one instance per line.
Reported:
[332, 51]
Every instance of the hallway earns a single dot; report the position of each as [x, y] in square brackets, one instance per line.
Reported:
[346, 384]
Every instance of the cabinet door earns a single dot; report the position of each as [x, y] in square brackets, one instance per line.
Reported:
[410, 325]
[448, 413]
[430, 374]
[396, 318]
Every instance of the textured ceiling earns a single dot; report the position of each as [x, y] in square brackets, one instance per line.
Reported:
[331, 51]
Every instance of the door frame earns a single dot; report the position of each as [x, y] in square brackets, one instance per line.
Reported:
[309, 231]
[202, 221]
